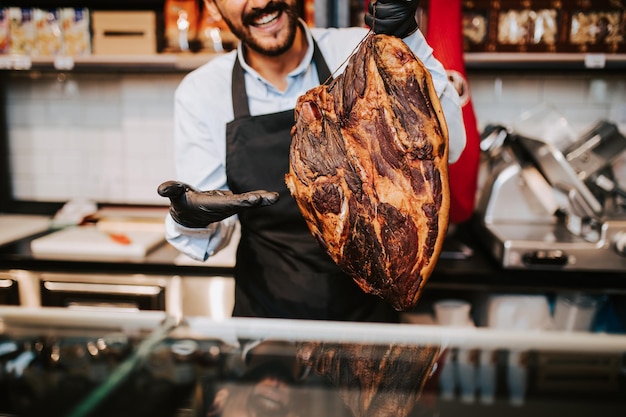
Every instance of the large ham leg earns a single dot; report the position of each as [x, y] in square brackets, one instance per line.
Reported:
[368, 169]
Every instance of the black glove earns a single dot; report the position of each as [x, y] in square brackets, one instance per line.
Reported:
[392, 17]
[193, 208]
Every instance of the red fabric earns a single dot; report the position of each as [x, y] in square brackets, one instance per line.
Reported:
[445, 36]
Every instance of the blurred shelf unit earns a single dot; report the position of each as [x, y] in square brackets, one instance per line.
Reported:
[146, 36]
[541, 35]
[544, 26]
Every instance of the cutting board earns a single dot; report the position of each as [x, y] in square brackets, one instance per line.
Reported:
[18, 226]
[93, 243]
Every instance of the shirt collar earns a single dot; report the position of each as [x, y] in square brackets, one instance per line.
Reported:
[304, 64]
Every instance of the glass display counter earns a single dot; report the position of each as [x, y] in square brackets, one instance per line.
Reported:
[59, 362]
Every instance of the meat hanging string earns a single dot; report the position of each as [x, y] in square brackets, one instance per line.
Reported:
[356, 48]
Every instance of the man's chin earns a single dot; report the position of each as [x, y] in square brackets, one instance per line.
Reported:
[270, 48]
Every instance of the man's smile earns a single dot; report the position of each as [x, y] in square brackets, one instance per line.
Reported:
[266, 19]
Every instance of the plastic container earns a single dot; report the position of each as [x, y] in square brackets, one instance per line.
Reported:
[486, 377]
[466, 373]
[517, 377]
[459, 367]
[452, 312]
[574, 312]
[516, 312]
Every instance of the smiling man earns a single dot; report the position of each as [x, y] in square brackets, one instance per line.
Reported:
[233, 118]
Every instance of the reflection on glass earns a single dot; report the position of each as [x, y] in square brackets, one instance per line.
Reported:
[314, 379]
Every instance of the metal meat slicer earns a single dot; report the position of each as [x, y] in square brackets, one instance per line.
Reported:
[549, 206]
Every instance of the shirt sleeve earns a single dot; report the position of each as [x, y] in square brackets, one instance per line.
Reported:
[199, 152]
[201, 243]
[448, 96]
[199, 159]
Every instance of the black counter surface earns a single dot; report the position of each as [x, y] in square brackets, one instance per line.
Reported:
[478, 271]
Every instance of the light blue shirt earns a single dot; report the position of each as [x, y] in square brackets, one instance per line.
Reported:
[203, 107]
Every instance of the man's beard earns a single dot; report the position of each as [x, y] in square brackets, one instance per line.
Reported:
[253, 43]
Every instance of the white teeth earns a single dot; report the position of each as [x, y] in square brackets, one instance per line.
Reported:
[266, 19]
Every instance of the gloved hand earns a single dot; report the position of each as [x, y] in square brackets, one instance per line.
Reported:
[193, 208]
[392, 17]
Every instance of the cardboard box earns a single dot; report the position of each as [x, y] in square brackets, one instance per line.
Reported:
[124, 32]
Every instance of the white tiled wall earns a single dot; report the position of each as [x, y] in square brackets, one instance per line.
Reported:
[103, 137]
[582, 99]
[108, 137]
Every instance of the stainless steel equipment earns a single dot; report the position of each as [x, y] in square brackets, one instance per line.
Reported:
[211, 296]
[546, 207]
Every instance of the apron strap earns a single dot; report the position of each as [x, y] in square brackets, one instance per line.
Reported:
[238, 85]
[323, 73]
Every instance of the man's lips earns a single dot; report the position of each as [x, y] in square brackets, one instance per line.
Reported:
[266, 18]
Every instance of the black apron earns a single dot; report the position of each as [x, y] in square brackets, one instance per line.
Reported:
[281, 271]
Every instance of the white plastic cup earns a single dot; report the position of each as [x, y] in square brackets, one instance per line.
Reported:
[574, 313]
[452, 312]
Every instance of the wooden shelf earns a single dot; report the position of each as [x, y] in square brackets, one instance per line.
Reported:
[180, 62]
[167, 62]
[544, 61]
